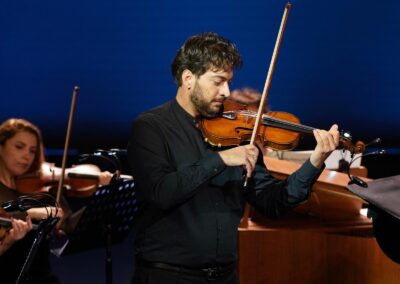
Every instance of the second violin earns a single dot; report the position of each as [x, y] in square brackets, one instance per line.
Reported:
[79, 181]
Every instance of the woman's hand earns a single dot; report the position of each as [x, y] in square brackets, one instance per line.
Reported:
[19, 229]
[41, 213]
[105, 177]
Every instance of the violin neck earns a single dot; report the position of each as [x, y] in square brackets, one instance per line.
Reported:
[6, 223]
[344, 138]
[287, 125]
[84, 176]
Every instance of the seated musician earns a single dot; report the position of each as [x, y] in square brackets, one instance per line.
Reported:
[191, 194]
[22, 153]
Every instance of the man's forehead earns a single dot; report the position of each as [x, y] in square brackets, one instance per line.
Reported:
[221, 73]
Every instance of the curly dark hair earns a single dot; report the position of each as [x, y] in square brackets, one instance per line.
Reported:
[202, 52]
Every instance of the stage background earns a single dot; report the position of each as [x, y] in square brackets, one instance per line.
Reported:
[338, 63]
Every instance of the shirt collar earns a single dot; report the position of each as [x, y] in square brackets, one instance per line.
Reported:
[183, 114]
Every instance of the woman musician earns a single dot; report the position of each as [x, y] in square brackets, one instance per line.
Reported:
[22, 153]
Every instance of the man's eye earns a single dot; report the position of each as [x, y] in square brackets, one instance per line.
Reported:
[218, 83]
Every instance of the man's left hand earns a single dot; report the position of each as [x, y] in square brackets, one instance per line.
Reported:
[327, 141]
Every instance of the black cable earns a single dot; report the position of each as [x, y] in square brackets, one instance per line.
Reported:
[35, 200]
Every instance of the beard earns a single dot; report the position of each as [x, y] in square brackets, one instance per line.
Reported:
[203, 106]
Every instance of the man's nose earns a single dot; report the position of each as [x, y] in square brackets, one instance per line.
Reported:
[226, 90]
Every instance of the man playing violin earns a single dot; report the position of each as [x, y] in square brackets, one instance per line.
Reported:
[191, 194]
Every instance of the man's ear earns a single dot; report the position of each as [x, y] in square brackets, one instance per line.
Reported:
[187, 79]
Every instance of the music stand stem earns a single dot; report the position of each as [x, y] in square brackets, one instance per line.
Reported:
[45, 227]
[108, 254]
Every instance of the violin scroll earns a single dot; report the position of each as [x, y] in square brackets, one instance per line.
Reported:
[345, 142]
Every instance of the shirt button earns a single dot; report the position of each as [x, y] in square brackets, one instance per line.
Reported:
[216, 203]
[215, 170]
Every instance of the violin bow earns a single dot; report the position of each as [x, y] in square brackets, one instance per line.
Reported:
[271, 69]
[65, 154]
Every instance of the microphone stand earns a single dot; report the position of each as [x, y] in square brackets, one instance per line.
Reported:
[44, 228]
[356, 179]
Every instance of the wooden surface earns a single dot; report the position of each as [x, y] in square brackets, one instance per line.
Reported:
[325, 240]
[302, 256]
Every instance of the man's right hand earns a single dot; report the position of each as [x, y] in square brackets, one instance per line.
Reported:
[245, 156]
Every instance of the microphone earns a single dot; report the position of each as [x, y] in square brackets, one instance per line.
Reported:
[373, 142]
[357, 180]
[25, 202]
[118, 151]
[19, 204]
[377, 152]
[104, 159]
[14, 205]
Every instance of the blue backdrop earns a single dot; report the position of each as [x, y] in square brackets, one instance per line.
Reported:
[338, 63]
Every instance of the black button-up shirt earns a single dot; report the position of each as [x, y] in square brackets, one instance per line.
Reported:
[190, 202]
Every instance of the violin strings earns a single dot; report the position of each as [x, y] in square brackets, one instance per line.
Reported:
[288, 125]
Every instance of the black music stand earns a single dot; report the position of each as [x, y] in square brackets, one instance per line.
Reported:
[383, 196]
[106, 220]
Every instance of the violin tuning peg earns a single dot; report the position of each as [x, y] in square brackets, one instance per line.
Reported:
[346, 134]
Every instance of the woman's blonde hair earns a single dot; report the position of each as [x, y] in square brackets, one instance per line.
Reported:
[12, 126]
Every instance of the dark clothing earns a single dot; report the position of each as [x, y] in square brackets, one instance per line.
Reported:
[148, 275]
[12, 260]
[190, 202]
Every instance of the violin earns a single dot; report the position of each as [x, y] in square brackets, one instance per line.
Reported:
[278, 130]
[79, 181]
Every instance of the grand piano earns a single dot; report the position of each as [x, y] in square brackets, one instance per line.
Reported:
[325, 240]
